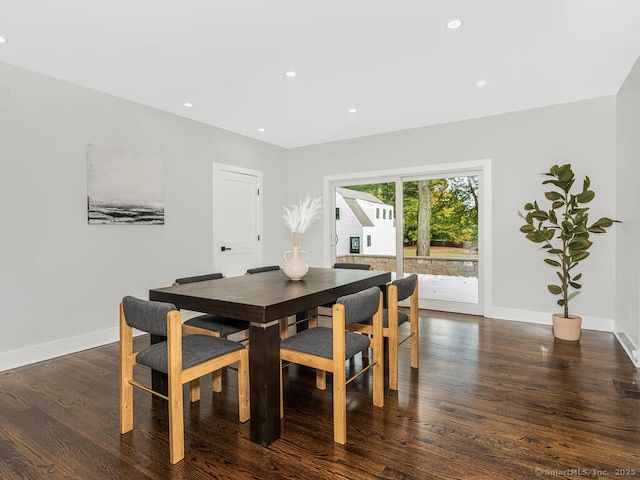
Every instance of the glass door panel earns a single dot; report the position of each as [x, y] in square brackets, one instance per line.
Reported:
[365, 225]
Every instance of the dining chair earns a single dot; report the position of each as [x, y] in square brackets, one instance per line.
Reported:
[183, 358]
[270, 268]
[353, 266]
[328, 349]
[397, 291]
[214, 325]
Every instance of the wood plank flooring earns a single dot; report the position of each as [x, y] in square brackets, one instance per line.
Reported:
[491, 400]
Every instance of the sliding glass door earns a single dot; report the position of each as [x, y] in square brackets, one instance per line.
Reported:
[422, 224]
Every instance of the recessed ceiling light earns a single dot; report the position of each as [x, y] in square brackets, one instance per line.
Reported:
[352, 110]
[290, 74]
[454, 24]
[188, 104]
[261, 129]
[3, 40]
[481, 83]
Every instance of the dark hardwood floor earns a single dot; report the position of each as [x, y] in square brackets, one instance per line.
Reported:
[491, 400]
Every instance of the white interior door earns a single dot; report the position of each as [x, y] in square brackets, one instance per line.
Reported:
[237, 219]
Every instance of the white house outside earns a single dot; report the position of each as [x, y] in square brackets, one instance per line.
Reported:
[364, 224]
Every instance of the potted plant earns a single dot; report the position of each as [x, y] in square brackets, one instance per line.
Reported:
[564, 230]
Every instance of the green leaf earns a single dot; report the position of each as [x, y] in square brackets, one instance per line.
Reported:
[577, 277]
[555, 205]
[552, 217]
[528, 206]
[553, 196]
[561, 302]
[555, 251]
[586, 196]
[579, 256]
[579, 243]
[603, 222]
[527, 228]
[573, 294]
[575, 285]
[554, 289]
[539, 215]
[553, 263]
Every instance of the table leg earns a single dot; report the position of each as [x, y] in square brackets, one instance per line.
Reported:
[264, 371]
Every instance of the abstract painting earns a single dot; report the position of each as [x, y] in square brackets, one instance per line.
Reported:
[124, 188]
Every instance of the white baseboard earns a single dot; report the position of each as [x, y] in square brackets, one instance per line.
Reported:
[588, 322]
[45, 351]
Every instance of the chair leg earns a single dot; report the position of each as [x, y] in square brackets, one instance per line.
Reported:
[321, 379]
[126, 374]
[176, 420]
[415, 352]
[194, 390]
[244, 398]
[284, 328]
[126, 404]
[281, 393]
[217, 381]
[340, 405]
[393, 358]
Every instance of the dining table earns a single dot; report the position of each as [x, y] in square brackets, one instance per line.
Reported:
[263, 299]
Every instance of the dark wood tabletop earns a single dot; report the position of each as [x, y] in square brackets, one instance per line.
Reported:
[268, 296]
[263, 299]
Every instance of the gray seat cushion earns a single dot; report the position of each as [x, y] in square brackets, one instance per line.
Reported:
[226, 326]
[319, 342]
[196, 349]
[402, 318]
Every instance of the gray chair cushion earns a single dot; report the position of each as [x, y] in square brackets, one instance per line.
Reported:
[402, 318]
[352, 266]
[195, 350]
[319, 342]
[360, 306]
[405, 286]
[150, 317]
[263, 269]
[226, 326]
[199, 278]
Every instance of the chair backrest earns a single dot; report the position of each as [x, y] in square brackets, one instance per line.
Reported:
[198, 278]
[145, 315]
[360, 306]
[353, 266]
[263, 269]
[405, 286]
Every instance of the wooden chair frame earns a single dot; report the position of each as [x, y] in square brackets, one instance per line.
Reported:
[337, 366]
[177, 377]
[391, 332]
[216, 377]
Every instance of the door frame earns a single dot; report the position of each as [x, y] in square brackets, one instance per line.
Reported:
[481, 168]
[217, 167]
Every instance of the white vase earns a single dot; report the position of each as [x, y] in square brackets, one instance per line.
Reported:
[295, 260]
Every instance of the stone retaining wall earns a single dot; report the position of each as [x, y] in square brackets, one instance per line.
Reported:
[457, 267]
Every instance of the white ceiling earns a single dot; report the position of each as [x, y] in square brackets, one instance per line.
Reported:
[393, 60]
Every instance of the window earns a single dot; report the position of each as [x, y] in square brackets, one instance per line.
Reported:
[368, 240]
[377, 213]
[354, 244]
[384, 214]
[337, 213]
[390, 214]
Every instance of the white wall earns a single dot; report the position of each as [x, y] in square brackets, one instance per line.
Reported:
[61, 279]
[627, 324]
[521, 145]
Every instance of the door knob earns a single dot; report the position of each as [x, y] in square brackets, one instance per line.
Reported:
[224, 249]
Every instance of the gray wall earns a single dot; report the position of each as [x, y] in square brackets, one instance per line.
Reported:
[521, 146]
[627, 324]
[61, 279]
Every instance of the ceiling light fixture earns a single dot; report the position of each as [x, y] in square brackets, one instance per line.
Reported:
[261, 129]
[188, 104]
[290, 74]
[481, 83]
[352, 110]
[3, 40]
[454, 24]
